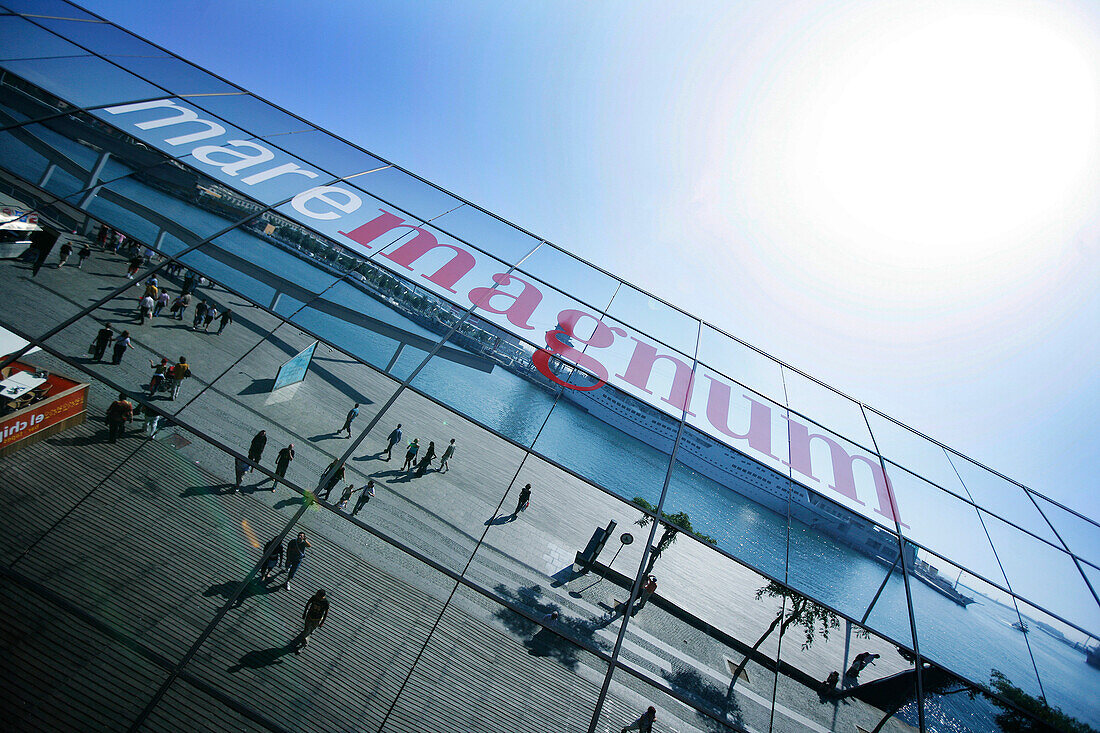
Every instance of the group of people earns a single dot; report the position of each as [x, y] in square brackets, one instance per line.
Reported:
[255, 454]
[316, 608]
[414, 461]
[851, 675]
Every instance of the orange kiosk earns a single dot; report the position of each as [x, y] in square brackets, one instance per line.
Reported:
[36, 404]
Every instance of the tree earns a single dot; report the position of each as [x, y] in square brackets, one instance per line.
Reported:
[678, 522]
[797, 609]
[1019, 719]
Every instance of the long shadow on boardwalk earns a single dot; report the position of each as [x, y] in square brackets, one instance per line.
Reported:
[264, 657]
[544, 642]
[708, 695]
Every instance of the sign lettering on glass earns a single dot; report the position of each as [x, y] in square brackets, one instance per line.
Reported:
[647, 370]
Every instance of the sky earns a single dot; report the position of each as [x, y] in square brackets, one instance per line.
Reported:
[899, 198]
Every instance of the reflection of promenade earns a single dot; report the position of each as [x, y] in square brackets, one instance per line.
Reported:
[157, 548]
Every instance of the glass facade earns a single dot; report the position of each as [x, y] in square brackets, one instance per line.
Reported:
[639, 509]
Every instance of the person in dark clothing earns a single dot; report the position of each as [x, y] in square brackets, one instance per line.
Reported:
[367, 493]
[295, 553]
[645, 722]
[211, 314]
[135, 264]
[225, 320]
[102, 340]
[314, 616]
[337, 475]
[200, 314]
[345, 496]
[122, 343]
[160, 374]
[410, 454]
[43, 242]
[448, 453]
[429, 456]
[274, 560]
[256, 448]
[393, 439]
[63, 254]
[862, 660]
[240, 468]
[120, 412]
[84, 253]
[188, 283]
[352, 414]
[524, 500]
[282, 462]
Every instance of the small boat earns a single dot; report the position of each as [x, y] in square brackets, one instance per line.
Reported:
[1020, 626]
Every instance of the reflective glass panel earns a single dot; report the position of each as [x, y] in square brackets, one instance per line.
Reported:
[254, 115]
[582, 281]
[327, 152]
[1002, 497]
[458, 678]
[1070, 683]
[55, 8]
[967, 625]
[679, 706]
[915, 453]
[1044, 576]
[827, 407]
[943, 523]
[103, 39]
[1081, 535]
[837, 676]
[655, 319]
[487, 233]
[739, 363]
[84, 81]
[21, 39]
[177, 76]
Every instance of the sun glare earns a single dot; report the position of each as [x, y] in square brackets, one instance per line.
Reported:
[945, 140]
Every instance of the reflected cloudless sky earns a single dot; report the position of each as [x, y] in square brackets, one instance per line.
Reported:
[900, 198]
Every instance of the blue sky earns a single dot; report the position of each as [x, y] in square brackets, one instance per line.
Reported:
[899, 198]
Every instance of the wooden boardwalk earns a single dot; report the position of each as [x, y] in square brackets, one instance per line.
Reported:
[133, 548]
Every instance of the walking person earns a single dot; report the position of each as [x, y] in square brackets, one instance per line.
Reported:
[314, 616]
[366, 494]
[63, 254]
[200, 313]
[188, 283]
[120, 412]
[134, 266]
[448, 453]
[225, 320]
[282, 463]
[145, 308]
[152, 288]
[336, 475]
[181, 370]
[524, 500]
[648, 589]
[352, 414]
[645, 722]
[345, 495]
[102, 339]
[295, 553]
[211, 314]
[429, 456]
[152, 421]
[274, 560]
[122, 343]
[256, 447]
[160, 374]
[393, 439]
[180, 306]
[84, 253]
[162, 301]
[410, 454]
[240, 468]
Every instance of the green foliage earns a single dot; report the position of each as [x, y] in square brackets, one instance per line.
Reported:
[800, 611]
[1012, 720]
[680, 520]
